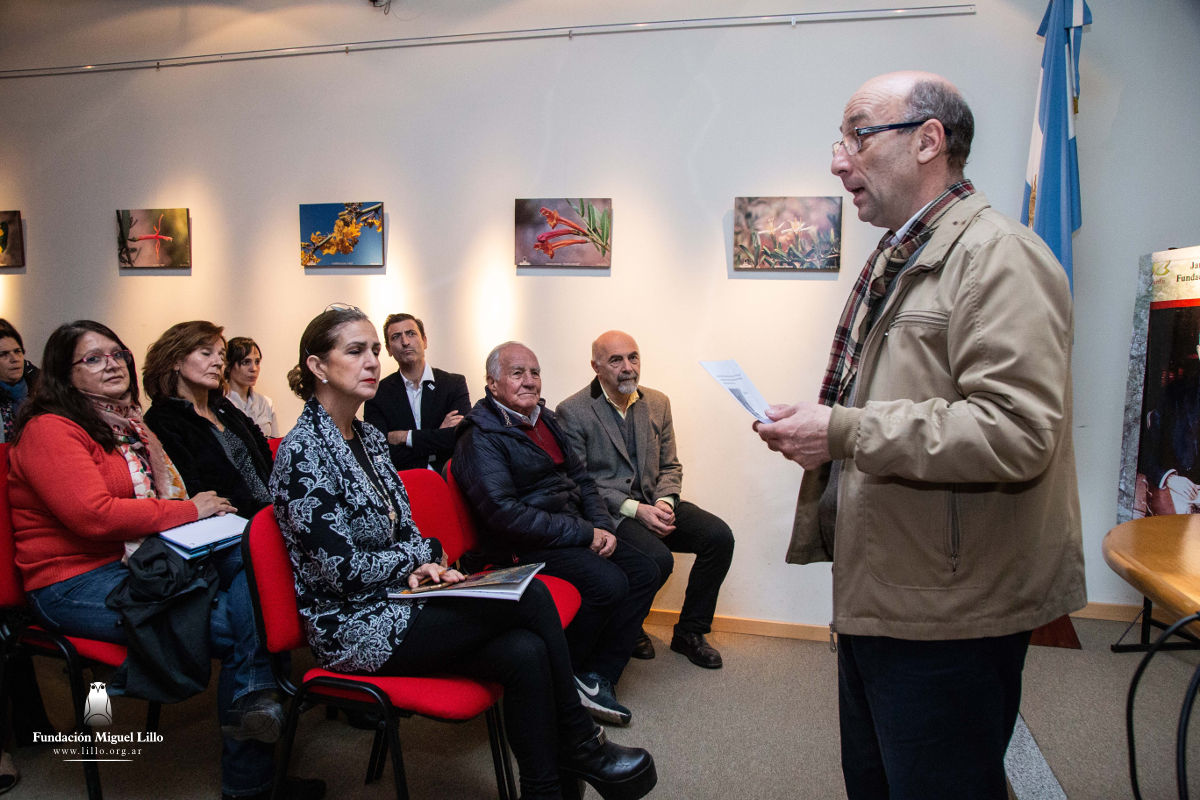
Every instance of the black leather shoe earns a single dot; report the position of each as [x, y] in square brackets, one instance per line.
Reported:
[364, 720]
[697, 649]
[293, 789]
[616, 772]
[257, 715]
[643, 648]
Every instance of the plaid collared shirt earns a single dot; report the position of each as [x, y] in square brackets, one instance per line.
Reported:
[871, 289]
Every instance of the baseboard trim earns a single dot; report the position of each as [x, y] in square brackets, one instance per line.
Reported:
[1114, 612]
[754, 627]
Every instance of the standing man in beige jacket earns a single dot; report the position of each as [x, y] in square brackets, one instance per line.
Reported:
[939, 467]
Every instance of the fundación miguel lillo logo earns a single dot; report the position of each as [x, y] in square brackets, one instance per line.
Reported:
[97, 708]
[98, 745]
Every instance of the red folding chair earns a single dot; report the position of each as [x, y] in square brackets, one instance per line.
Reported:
[566, 597]
[29, 639]
[442, 697]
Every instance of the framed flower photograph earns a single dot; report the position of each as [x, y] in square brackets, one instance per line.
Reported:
[154, 237]
[12, 240]
[560, 232]
[787, 233]
[341, 234]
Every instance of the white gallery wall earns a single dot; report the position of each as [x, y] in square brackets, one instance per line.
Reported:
[670, 125]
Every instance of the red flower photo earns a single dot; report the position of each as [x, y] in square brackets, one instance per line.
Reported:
[564, 233]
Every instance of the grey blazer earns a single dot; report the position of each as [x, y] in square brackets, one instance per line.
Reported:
[596, 440]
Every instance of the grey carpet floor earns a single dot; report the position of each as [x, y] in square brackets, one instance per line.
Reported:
[765, 726]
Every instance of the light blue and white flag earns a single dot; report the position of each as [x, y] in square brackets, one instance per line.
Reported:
[1051, 205]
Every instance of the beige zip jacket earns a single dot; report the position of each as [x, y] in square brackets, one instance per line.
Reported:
[957, 504]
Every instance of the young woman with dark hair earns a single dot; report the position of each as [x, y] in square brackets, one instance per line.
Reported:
[243, 360]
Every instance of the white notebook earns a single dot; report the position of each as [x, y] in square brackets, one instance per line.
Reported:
[213, 533]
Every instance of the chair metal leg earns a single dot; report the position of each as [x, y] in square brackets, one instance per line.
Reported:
[393, 735]
[79, 691]
[506, 787]
[379, 749]
[91, 774]
[288, 737]
[153, 712]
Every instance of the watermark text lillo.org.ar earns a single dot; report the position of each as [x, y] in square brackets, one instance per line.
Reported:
[98, 745]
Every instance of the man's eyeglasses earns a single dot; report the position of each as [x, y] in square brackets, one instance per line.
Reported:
[854, 145]
[95, 361]
[343, 307]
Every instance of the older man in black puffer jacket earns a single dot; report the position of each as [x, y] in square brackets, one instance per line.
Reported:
[533, 501]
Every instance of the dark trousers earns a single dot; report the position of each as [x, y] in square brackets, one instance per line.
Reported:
[923, 720]
[616, 593]
[519, 645]
[696, 531]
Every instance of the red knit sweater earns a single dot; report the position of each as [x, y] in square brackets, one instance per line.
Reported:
[73, 505]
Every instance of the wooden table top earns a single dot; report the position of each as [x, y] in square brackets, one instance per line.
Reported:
[1160, 557]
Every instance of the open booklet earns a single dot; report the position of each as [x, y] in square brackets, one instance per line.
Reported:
[194, 539]
[501, 584]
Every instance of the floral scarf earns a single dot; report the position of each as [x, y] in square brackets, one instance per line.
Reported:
[153, 473]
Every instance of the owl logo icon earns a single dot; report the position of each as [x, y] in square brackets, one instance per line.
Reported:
[97, 709]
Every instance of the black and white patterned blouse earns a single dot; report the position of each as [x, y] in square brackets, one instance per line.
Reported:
[344, 548]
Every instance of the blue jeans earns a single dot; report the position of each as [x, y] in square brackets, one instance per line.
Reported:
[76, 607]
[927, 720]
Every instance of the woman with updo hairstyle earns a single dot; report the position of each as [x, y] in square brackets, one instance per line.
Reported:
[86, 477]
[215, 446]
[243, 359]
[349, 531]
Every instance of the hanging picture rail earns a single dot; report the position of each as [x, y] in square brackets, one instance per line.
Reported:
[567, 32]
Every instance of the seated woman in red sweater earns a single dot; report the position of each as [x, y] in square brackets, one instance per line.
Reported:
[86, 477]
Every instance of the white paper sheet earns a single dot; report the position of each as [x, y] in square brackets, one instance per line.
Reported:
[730, 375]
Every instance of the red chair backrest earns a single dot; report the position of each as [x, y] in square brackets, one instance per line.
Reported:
[465, 520]
[433, 510]
[274, 583]
[12, 592]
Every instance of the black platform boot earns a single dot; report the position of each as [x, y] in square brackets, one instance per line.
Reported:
[616, 772]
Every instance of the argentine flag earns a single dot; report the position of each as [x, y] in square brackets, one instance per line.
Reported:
[1051, 205]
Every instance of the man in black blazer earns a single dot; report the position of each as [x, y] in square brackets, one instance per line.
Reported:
[418, 406]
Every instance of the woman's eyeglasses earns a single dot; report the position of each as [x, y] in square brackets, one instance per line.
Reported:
[95, 361]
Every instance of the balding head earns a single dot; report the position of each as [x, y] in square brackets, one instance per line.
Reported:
[895, 171]
[617, 363]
